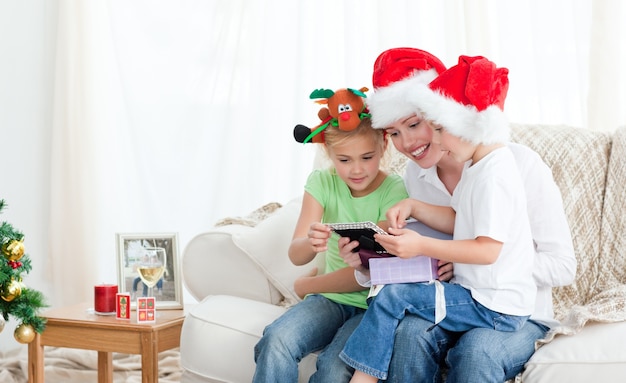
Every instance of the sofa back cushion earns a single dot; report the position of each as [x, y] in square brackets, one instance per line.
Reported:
[267, 245]
[212, 264]
[579, 160]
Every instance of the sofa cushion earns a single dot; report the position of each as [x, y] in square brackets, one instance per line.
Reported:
[595, 354]
[267, 245]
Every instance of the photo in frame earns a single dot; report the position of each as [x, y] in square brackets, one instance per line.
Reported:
[133, 251]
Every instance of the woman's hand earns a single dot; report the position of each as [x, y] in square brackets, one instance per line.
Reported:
[445, 270]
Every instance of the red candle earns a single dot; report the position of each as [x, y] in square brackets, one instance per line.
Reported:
[104, 299]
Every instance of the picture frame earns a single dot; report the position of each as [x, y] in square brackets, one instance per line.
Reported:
[130, 248]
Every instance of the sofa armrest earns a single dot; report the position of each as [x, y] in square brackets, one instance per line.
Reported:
[247, 262]
[212, 264]
[218, 337]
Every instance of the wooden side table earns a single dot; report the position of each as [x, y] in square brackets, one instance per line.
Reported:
[78, 327]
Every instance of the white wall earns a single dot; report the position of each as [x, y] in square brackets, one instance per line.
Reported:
[27, 34]
[28, 45]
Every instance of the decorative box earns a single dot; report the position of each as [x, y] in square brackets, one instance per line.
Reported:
[402, 270]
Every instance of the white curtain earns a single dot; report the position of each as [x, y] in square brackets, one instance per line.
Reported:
[169, 115]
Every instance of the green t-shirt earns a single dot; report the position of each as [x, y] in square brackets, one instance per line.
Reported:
[340, 206]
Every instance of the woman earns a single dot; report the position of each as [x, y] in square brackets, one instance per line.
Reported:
[480, 354]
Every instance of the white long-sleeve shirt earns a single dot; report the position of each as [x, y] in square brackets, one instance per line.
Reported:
[555, 262]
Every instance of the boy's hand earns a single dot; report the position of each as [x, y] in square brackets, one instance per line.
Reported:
[404, 243]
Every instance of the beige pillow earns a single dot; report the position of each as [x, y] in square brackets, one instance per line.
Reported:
[267, 245]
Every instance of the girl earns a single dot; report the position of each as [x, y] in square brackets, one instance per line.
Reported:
[353, 189]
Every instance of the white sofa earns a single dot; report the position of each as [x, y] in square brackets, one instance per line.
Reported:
[240, 273]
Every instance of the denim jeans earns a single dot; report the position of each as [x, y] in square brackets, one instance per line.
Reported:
[316, 323]
[370, 347]
[419, 352]
[478, 355]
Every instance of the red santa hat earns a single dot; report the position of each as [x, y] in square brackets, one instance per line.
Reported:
[396, 72]
[467, 100]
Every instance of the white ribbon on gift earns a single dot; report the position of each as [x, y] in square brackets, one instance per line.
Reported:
[440, 302]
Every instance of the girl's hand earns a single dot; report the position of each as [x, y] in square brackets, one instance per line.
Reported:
[318, 235]
[404, 243]
[301, 286]
[398, 214]
[350, 257]
[445, 270]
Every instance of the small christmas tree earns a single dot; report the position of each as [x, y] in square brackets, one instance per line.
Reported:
[17, 300]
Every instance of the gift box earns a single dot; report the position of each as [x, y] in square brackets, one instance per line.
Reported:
[146, 310]
[122, 306]
[402, 270]
[406, 270]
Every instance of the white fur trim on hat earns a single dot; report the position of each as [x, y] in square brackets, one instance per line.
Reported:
[394, 102]
[487, 127]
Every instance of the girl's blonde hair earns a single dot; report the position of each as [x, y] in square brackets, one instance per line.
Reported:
[335, 136]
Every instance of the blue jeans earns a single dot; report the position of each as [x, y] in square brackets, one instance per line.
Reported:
[420, 351]
[370, 347]
[316, 323]
[478, 355]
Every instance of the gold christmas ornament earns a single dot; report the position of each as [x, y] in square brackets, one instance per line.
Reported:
[13, 250]
[11, 290]
[24, 333]
[2, 323]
